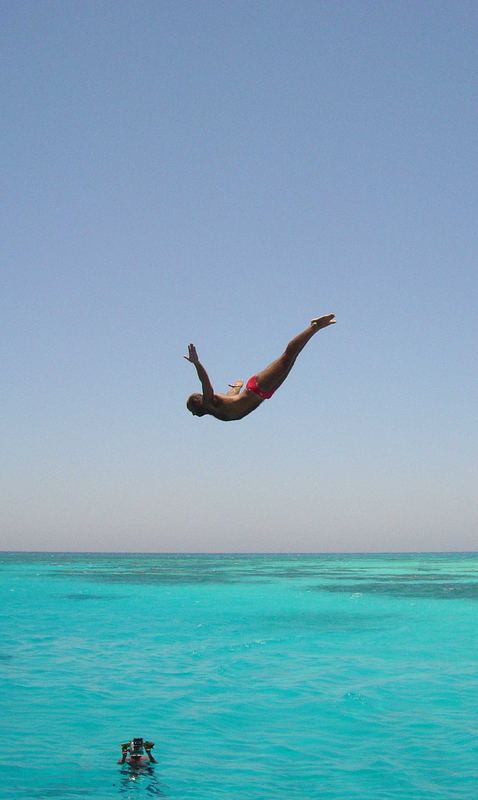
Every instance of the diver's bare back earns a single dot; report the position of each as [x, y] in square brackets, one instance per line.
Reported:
[237, 404]
[227, 408]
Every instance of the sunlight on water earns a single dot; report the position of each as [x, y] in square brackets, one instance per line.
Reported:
[259, 677]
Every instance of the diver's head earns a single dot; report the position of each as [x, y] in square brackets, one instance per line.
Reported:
[137, 746]
[195, 405]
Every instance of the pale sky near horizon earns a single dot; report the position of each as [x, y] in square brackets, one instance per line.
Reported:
[219, 173]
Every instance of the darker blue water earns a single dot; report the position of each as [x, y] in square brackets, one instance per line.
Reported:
[285, 676]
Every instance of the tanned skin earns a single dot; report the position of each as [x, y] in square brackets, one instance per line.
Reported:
[238, 402]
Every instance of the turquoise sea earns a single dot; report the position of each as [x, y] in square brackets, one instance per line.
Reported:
[339, 677]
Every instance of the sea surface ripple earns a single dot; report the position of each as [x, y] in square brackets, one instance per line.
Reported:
[339, 677]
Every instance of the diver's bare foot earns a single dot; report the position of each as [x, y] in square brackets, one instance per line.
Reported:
[323, 322]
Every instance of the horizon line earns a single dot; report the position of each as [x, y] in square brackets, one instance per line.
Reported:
[240, 552]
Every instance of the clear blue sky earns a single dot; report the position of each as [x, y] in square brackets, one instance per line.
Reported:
[221, 172]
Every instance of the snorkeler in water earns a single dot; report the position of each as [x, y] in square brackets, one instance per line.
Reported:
[137, 752]
[236, 404]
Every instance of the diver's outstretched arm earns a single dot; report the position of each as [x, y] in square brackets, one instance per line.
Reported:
[207, 390]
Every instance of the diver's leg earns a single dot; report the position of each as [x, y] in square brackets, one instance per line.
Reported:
[273, 375]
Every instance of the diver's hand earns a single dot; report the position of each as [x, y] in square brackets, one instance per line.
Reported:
[192, 355]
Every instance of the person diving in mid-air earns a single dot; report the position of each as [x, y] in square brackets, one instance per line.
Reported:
[238, 402]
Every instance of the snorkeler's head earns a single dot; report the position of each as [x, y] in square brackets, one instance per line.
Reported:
[195, 405]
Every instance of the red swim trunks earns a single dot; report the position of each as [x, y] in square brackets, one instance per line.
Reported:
[253, 386]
